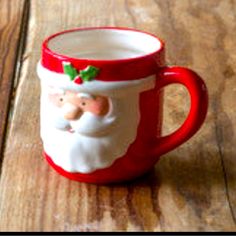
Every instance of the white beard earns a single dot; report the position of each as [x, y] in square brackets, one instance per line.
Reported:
[96, 141]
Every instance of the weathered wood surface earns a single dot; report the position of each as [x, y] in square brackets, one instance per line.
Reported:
[192, 188]
[11, 22]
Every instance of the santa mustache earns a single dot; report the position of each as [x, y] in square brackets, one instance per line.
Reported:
[87, 124]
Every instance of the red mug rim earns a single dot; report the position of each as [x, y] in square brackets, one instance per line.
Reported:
[123, 69]
[59, 55]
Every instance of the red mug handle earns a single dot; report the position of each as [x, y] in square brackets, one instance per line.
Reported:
[198, 110]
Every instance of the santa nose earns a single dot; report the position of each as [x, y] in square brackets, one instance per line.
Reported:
[71, 112]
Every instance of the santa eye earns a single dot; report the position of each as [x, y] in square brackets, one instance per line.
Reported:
[61, 99]
[83, 103]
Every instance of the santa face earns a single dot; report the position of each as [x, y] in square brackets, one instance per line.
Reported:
[76, 108]
[84, 132]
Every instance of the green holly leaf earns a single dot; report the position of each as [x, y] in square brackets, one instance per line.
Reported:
[69, 70]
[89, 73]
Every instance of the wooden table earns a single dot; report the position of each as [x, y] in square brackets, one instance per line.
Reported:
[193, 188]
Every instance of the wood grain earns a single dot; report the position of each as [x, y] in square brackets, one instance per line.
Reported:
[11, 23]
[192, 188]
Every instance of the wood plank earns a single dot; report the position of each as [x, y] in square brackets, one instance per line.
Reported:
[192, 188]
[11, 21]
[224, 105]
[206, 47]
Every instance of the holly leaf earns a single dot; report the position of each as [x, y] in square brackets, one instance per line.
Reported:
[89, 73]
[68, 69]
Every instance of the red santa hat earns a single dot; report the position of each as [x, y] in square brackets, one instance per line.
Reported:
[99, 76]
[86, 81]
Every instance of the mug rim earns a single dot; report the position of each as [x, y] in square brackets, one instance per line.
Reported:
[123, 69]
[49, 51]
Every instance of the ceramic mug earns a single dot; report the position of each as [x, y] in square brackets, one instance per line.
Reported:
[102, 101]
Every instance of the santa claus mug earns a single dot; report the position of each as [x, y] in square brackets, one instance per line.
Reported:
[102, 100]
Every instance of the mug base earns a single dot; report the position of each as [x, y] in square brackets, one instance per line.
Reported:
[91, 178]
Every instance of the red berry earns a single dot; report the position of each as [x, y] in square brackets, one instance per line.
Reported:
[78, 80]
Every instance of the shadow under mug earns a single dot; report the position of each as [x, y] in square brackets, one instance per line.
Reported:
[114, 78]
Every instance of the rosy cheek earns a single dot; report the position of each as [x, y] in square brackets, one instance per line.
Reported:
[98, 107]
[55, 99]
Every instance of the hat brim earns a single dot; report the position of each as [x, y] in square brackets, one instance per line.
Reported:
[117, 88]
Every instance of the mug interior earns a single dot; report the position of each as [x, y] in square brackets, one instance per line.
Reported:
[104, 44]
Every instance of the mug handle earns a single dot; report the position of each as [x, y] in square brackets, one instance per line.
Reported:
[198, 110]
